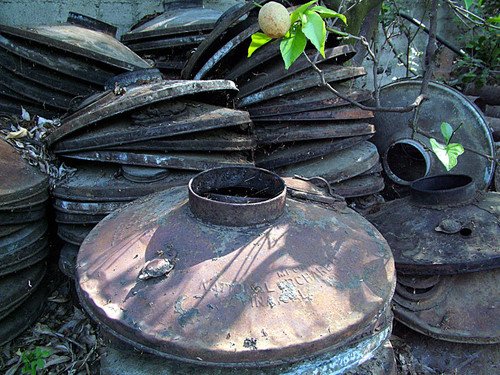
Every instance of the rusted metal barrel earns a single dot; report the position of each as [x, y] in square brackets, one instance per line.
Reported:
[230, 272]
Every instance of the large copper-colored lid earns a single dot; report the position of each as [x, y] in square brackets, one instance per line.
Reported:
[294, 280]
[19, 180]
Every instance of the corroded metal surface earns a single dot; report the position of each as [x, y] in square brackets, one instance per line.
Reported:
[67, 259]
[378, 355]
[81, 41]
[312, 99]
[213, 140]
[445, 357]
[105, 183]
[43, 76]
[440, 311]
[73, 234]
[76, 218]
[225, 50]
[190, 161]
[275, 72]
[335, 114]
[230, 17]
[109, 104]
[16, 287]
[174, 22]
[296, 152]
[164, 120]
[359, 186]
[424, 243]
[300, 131]
[38, 93]
[444, 105]
[22, 254]
[58, 62]
[23, 215]
[337, 166]
[93, 208]
[307, 282]
[24, 181]
[302, 81]
[17, 321]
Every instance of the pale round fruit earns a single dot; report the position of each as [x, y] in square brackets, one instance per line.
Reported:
[274, 20]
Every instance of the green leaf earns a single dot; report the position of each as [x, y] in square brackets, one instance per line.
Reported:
[314, 29]
[296, 14]
[493, 19]
[468, 3]
[292, 47]
[39, 363]
[328, 13]
[46, 353]
[447, 154]
[447, 131]
[258, 40]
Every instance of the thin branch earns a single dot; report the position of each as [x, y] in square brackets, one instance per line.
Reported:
[325, 84]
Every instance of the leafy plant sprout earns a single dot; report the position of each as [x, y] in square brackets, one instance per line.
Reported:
[308, 23]
[34, 361]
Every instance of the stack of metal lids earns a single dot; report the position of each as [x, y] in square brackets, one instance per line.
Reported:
[445, 245]
[169, 37]
[23, 242]
[297, 123]
[50, 69]
[134, 140]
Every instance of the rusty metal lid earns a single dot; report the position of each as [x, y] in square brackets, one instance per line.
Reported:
[219, 34]
[36, 92]
[406, 159]
[163, 120]
[44, 76]
[20, 319]
[82, 41]
[337, 166]
[27, 203]
[308, 281]
[24, 180]
[16, 287]
[67, 260]
[143, 174]
[90, 208]
[16, 255]
[24, 215]
[447, 239]
[444, 357]
[275, 71]
[345, 113]
[111, 104]
[376, 355]
[301, 131]
[302, 81]
[211, 140]
[57, 61]
[190, 161]
[295, 152]
[174, 22]
[359, 186]
[72, 233]
[448, 319]
[77, 218]
[312, 99]
[104, 183]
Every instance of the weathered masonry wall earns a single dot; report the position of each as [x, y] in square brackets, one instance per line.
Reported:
[121, 13]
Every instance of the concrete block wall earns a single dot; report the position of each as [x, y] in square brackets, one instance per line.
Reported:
[120, 13]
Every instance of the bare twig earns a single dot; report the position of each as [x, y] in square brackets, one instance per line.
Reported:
[325, 84]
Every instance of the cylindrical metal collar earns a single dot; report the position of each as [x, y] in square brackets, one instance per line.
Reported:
[237, 196]
[446, 189]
